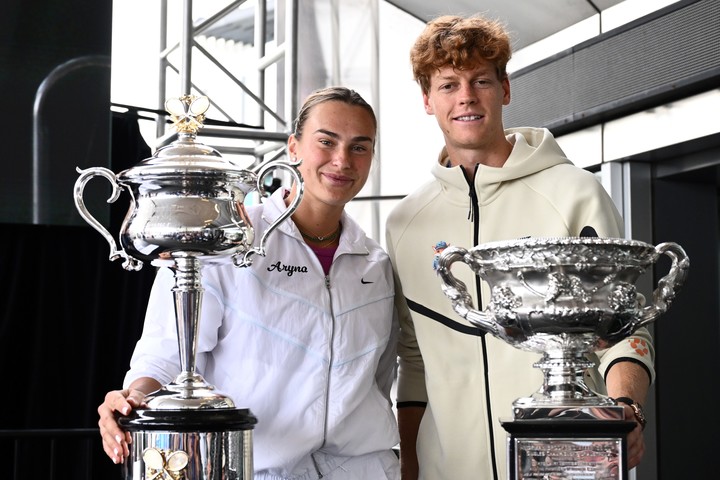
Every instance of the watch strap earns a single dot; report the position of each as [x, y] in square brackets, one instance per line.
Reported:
[637, 409]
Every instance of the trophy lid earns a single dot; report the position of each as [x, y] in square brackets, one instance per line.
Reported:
[185, 157]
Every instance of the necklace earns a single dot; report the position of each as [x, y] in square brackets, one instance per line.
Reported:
[329, 238]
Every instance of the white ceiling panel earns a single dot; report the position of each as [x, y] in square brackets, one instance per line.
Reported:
[527, 20]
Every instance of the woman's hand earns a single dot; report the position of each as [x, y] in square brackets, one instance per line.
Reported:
[116, 441]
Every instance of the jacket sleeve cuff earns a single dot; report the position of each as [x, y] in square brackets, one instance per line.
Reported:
[637, 348]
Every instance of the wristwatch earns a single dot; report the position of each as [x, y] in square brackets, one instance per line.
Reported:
[637, 409]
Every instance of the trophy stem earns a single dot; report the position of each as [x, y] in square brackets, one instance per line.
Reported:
[188, 293]
[564, 391]
[189, 390]
[563, 373]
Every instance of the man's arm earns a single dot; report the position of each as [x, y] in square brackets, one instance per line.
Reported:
[411, 392]
[630, 380]
[408, 424]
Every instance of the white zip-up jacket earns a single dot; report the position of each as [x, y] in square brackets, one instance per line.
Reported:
[468, 380]
[312, 357]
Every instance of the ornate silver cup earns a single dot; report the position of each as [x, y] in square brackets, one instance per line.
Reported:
[187, 210]
[563, 298]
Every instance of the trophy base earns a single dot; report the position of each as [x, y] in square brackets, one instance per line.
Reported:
[578, 410]
[208, 444]
[567, 449]
[181, 396]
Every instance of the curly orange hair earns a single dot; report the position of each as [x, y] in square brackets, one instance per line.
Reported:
[461, 42]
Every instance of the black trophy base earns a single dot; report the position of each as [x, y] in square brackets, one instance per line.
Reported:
[207, 444]
[567, 449]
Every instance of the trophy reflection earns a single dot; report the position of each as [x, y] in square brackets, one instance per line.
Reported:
[564, 298]
[186, 211]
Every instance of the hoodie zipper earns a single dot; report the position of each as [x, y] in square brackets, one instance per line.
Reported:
[474, 217]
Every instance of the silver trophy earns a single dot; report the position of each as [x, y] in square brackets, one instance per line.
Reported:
[564, 298]
[186, 211]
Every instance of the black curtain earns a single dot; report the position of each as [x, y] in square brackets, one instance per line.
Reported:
[69, 320]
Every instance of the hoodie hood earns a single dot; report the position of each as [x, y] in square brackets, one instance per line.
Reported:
[534, 149]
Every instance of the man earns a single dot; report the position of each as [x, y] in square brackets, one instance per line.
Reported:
[455, 383]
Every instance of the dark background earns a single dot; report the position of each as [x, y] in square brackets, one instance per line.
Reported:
[63, 47]
[69, 318]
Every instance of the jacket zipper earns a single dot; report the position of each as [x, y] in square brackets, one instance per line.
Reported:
[327, 387]
[474, 217]
[317, 467]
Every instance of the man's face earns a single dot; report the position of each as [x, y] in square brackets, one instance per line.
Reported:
[467, 105]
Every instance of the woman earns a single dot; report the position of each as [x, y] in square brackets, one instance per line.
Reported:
[305, 337]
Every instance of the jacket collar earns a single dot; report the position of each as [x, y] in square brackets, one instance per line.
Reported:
[352, 239]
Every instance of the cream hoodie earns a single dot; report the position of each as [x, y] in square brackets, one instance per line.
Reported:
[469, 380]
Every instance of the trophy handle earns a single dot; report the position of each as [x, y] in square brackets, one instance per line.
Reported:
[299, 188]
[456, 291]
[85, 175]
[669, 285]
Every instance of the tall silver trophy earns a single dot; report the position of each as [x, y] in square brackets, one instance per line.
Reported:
[186, 211]
[564, 298]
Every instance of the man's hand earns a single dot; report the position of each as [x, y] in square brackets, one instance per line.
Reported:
[635, 440]
[628, 379]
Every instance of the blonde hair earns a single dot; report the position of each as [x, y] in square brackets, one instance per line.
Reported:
[340, 94]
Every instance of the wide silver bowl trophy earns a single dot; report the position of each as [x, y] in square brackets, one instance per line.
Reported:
[187, 210]
[564, 298]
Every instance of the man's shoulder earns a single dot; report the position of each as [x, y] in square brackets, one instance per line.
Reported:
[415, 200]
[566, 172]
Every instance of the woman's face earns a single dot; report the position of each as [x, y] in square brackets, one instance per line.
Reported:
[336, 150]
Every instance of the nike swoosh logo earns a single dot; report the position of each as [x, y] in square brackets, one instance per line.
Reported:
[364, 282]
